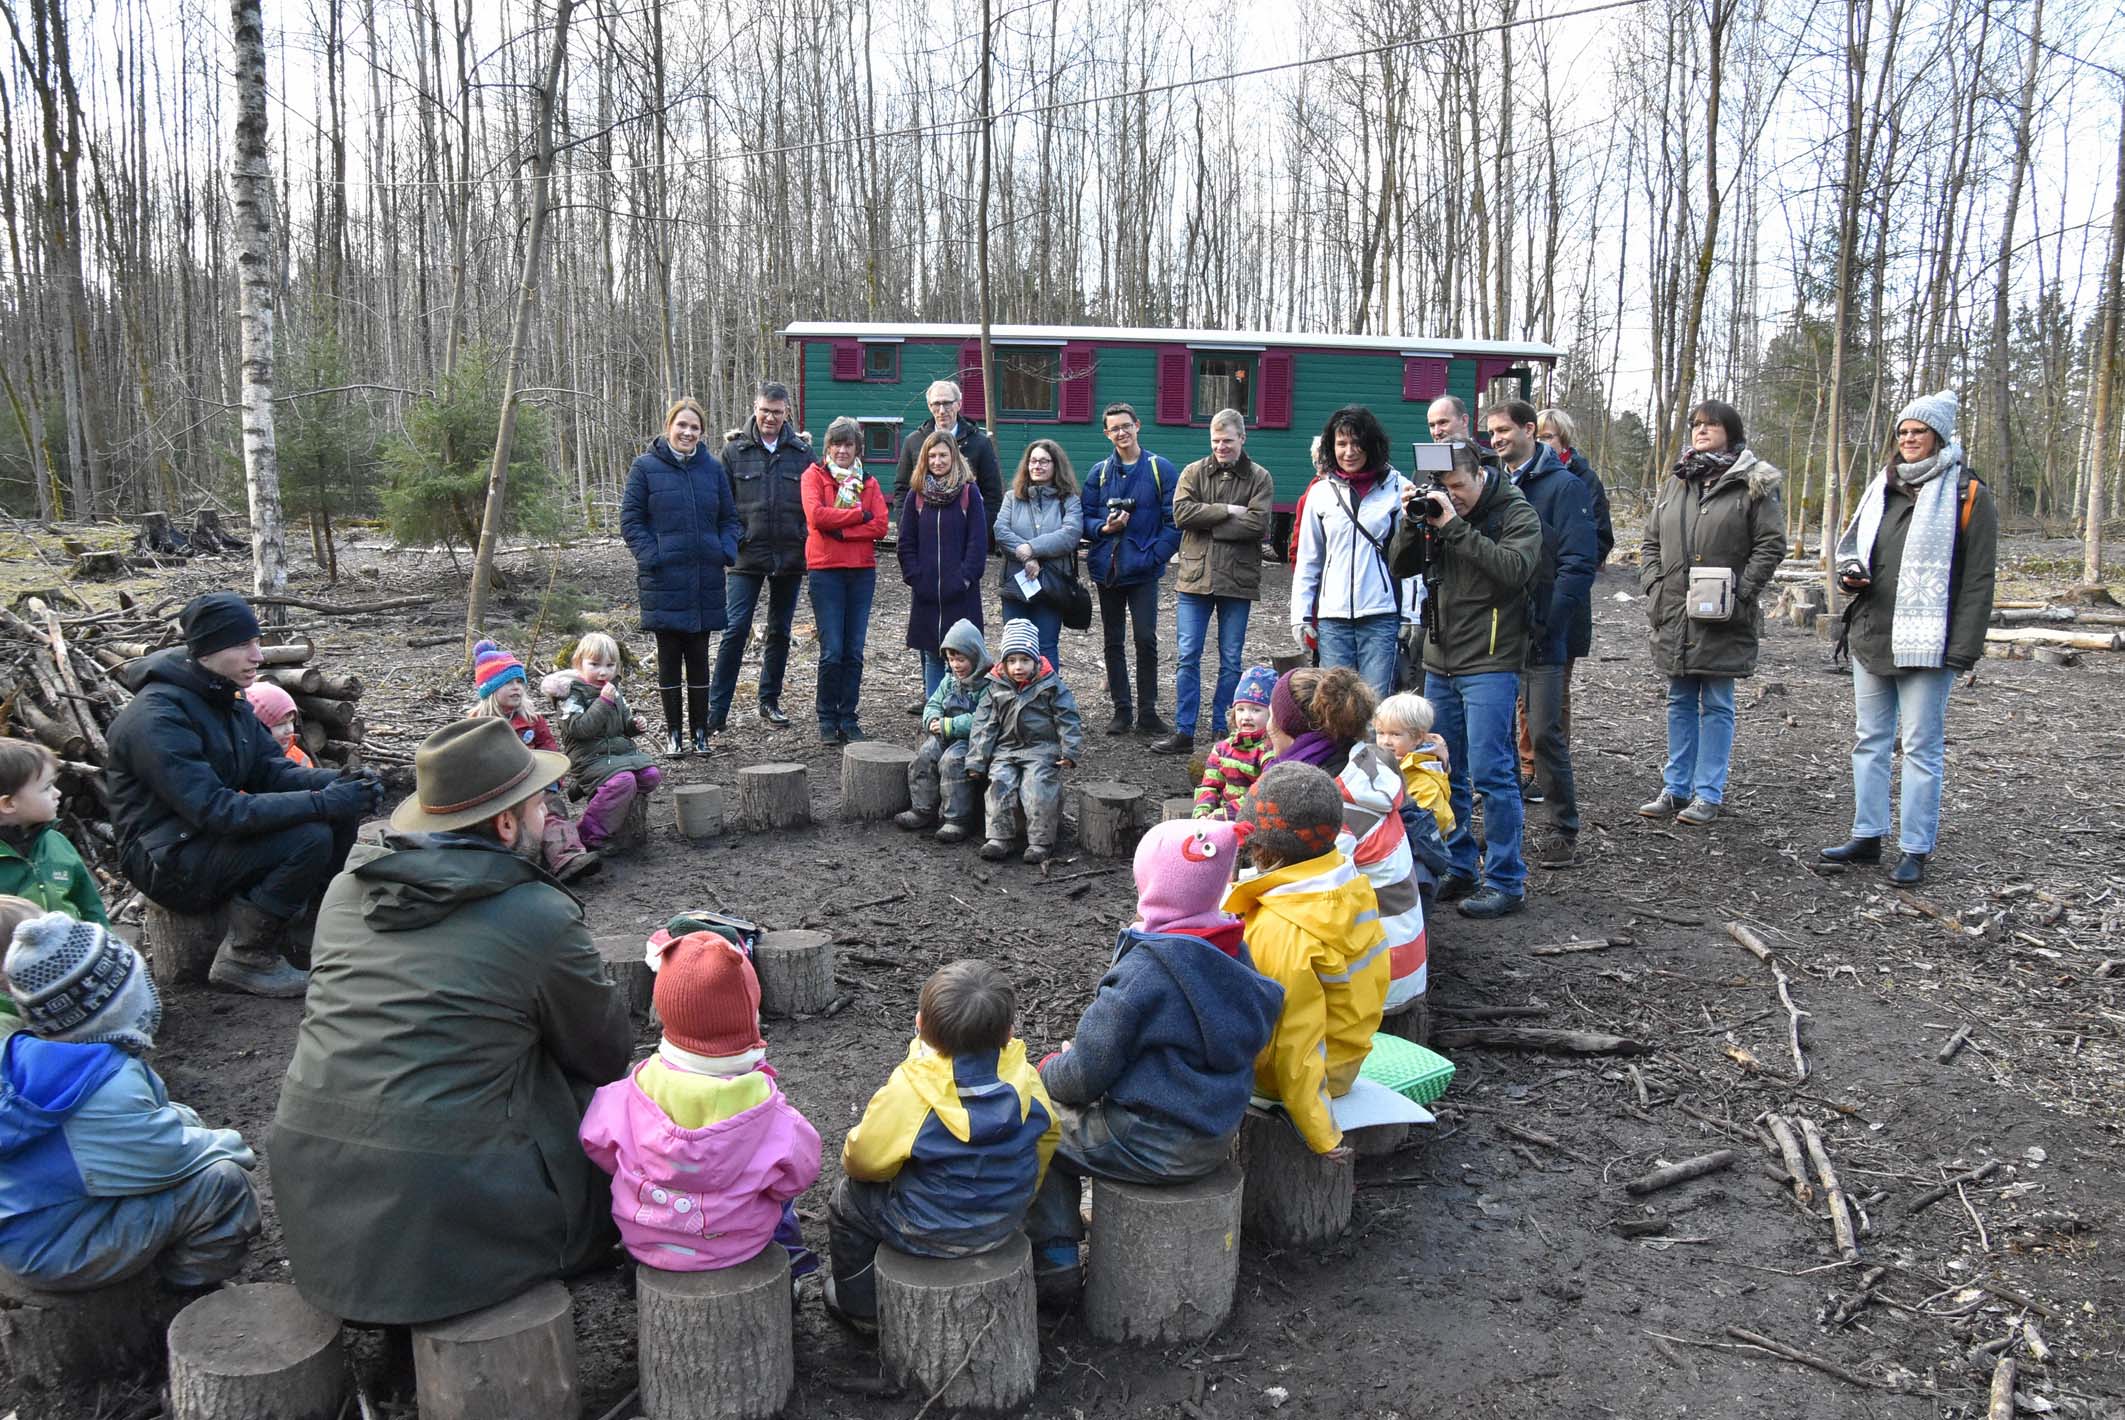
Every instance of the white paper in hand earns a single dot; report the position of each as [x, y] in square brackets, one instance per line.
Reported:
[1028, 584]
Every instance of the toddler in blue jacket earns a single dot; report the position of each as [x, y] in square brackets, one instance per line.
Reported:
[1155, 1084]
[101, 1174]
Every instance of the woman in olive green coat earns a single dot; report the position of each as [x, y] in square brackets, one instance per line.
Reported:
[1717, 520]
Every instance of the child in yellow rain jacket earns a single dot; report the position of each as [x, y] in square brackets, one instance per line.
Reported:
[1313, 927]
[1401, 727]
[949, 1152]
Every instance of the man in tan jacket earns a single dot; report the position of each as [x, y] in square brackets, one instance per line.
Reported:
[1221, 506]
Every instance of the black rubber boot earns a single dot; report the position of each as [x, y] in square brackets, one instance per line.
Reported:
[1854, 850]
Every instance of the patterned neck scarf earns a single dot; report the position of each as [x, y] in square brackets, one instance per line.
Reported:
[1704, 465]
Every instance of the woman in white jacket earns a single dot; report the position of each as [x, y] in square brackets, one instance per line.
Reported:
[1345, 604]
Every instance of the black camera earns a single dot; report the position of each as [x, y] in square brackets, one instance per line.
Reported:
[1121, 505]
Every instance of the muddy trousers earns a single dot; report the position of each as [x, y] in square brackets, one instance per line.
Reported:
[193, 1233]
[611, 800]
[939, 771]
[1025, 796]
[857, 1225]
[1105, 1140]
[560, 844]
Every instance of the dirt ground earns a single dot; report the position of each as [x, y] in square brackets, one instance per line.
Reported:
[1485, 1273]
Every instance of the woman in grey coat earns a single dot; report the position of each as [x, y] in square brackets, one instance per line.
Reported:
[1041, 521]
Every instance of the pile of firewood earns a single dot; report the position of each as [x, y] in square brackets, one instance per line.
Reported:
[58, 686]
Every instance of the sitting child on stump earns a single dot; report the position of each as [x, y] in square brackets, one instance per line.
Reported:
[1026, 728]
[939, 769]
[949, 1152]
[598, 730]
[705, 1151]
[1233, 764]
[36, 859]
[1401, 727]
[101, 1175]
[275, 709]
[499, 678]
[1313, 927]
[1155, 1084]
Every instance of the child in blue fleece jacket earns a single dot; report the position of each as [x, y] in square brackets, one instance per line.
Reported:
[101, 1175]
[1154, 1086]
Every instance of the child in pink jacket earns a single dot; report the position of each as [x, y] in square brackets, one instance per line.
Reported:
[704, 1150]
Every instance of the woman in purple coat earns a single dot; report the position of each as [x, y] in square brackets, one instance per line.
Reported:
[944, 545]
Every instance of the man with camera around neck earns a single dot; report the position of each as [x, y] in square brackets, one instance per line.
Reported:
[1128, 503]
[1476, 541]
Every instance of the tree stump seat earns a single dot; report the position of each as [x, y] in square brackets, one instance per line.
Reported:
[961, 1329]
[774, 795]
[1164, 1261]
[256, 1352]
[1294, 1197]
[796, 972]
[55, 1339]
[716, 1345]
[181, 945]
[515, 1360]
[874, 780]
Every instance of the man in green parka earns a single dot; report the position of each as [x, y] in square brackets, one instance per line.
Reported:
[424, 1155]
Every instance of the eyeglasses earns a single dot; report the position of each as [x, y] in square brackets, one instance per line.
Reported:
[1704, 424]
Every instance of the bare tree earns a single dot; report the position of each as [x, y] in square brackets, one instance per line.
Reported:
[251, 198]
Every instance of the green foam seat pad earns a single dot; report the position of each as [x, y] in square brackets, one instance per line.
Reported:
[1407, 1068]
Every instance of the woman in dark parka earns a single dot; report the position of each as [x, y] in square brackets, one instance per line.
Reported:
[944, 547]
[682, 525]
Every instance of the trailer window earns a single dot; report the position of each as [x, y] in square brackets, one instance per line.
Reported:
[881, 440]
[881, 362]
[1223, 381]
[1028, 381]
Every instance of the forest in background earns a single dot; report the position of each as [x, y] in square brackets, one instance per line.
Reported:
[1811, 208]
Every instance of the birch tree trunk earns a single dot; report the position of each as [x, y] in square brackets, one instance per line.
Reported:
[2002, 396]
[520, 324]
[991, 396]
[251, 197]
[2105, 442]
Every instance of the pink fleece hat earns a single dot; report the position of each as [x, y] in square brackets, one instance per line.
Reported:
[270, 703]
[1183, 868]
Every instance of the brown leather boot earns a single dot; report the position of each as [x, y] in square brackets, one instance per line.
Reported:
[250, 957]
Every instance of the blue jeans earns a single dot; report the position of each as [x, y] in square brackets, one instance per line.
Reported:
[1046, 619]
[933, 672]
[1191, 620]
[741, 593]
[1700, 736]
[1474, 713]
[1107, 1140]
[1918, 701]
[1366, 644]
[841, 604]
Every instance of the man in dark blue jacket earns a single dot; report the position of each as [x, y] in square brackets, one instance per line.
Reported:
[1128, 503]
[207, 808]
[1571, 552]
[765, 462]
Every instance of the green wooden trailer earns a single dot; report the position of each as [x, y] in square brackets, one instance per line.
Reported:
[1054, 380]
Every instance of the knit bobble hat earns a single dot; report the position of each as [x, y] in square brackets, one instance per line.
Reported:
[1020, 637]
[707, 997]
[270, 703]
[1935, 411]
[1284, 709]
[493, 668]
[1255, 687]
[76, 982]
[1294, 811]
[1182, 871]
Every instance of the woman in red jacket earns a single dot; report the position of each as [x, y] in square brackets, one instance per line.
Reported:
[846, 515]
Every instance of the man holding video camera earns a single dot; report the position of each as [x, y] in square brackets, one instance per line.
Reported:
[1477, 543]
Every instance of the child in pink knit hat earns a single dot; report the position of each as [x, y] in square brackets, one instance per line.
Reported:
[275, 709]
[1154, 1086]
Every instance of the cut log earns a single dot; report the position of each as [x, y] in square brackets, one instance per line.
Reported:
[633, 831]
[796, 971]
[1164, 1262]
[342, 687]
[1376, 1140]
[2047, 636]
[1669, 1175]
[700, 810]
[716, 1345]
[874, 780]
[512, 1361]
[1412, 1020]
[55, 1339]
[54, 735]
[256, 1352]
[1106, 818]
[1294, 1197]
[2058, 655]
[1295, 661]
[774, 795]
[181, 946]
[296, 680]
[1171, 809]
[1539, 1038]
[288, 653]
[627, 967]
[333, 714]
[1804, 616]
[313, 737]
[962, 1330]
[97, 565]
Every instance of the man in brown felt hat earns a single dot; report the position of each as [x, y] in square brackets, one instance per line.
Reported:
[424, 1154]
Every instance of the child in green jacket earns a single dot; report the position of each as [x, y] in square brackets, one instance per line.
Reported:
[939, 769]
[36, 861]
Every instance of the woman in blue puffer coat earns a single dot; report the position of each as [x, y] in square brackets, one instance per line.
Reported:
[682, 525]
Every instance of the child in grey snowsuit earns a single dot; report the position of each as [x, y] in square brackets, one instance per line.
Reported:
[1026, 730]
[939, 769]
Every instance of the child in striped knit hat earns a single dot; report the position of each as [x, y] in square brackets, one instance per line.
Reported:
[504, 693]
[1236, 761]
[1026, 731]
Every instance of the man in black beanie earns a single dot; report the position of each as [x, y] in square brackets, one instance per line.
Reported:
[207, 808]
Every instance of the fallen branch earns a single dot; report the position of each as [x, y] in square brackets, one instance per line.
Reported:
[1577, 945]
[345, 609]
[1954, 1045]
[1073, 877]
[2001, 1405]
[1833, 1193]
[1939, 914]
[1853, 1305]
[1672, 1174]
[1789, 1150]
[1788, 1353]
[1571, 1042]
[1541, 1140]
[1935, 1194]
[1488, 1013]
[1755, 947]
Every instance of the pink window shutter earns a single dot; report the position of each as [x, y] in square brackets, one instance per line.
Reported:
[1488, 368]
[1076, 403]
[848, 360]
[973, 396]
[1272, 408]
[1423, 378]
[1174, 397]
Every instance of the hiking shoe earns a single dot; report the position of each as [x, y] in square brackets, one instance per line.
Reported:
[1698, 812]
[830, 738]
[674, 747]
[1854, 850]
[1035, 855]
[717, 725]
[1560, 851]
[1058, 1276]
[1151, 725]
[949, 832]
[1175, 743]
[1910, 870]
[1491, 902]
[851, 735]
[772, 713]
[1121, 722]
[1661, 805]
[996, 850]
[280, 980]
[913, 820]
[914, 707]
[863, 1325]
[583, 865]
[1453, 887]
[1531, 791]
